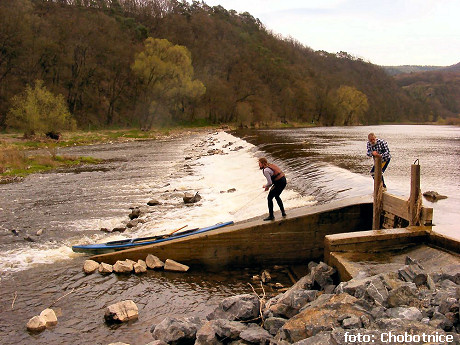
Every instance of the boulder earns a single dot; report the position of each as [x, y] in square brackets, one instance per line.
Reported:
[140, 267]
[135, 213]
[105, 268]
[36, 324]
[191, 198]
[206, 335]
[321, 315]
[410, 313]
[153, 262]
[256, 335]
[404, 294]
[49, 316]
[90, 266]
[273, 324]
[171, 265]
[121, 312]
[177, 330]
[216, 331]
[132, 223]
[123, 267]
[292, 301]
[240, 307]
[433, 196]
[153, 202]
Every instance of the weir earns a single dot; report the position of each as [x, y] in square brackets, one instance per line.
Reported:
[338, 233]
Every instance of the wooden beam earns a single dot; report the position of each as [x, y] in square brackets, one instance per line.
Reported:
[377, 192]
[414, 207]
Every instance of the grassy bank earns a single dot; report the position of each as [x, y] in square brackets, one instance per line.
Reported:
[20, 157]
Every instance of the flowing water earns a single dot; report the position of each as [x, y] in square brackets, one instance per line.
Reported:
[71, 206]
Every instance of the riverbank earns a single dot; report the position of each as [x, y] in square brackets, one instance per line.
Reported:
[21, 156]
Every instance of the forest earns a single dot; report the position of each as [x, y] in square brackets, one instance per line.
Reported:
[145, 63]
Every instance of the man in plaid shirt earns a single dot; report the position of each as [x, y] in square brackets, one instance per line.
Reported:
[378, 147]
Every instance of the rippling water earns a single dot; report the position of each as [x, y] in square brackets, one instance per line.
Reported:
[322, 164]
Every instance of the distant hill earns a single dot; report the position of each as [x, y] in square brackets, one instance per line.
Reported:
[394, 70]
[438, 90]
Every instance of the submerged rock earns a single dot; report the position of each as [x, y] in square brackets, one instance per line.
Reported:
[121, 312]
[36, 324]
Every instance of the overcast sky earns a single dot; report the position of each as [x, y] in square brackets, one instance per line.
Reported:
[384, 32]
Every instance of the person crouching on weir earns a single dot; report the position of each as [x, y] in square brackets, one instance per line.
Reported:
[276, 182]
[378, 147]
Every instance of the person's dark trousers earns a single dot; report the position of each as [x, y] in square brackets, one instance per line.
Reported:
[384, 167]
[278, 187]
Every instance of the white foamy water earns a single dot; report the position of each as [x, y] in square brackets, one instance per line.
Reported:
[230, 184]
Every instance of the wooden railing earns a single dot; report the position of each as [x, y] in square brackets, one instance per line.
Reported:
[411, 211]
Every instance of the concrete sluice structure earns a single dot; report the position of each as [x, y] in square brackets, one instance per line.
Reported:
[337, 233]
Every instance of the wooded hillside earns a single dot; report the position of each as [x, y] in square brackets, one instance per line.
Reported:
[90, 51]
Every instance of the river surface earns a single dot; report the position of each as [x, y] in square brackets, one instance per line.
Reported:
[70, 207]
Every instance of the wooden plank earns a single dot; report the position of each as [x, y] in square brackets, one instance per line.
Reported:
[377, 192]
[396, 205]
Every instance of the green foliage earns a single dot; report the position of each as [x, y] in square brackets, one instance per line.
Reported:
[240, 72]
[351, 105]
[165, 72]
[37, 110]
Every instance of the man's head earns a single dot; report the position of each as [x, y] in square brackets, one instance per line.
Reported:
[372, 138]
[262, 162]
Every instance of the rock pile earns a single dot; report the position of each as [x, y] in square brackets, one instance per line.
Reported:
[410, 306]
[128, 266]
[46, 319]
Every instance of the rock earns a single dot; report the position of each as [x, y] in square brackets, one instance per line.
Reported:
[105, 268]
[191, 199]
[157, 342]
[265, 277]
[153, 202]
[118, 229]
[118, 343]
[240, 307]
[90, 266]
[322, 274]
[433, 196]
[140, 267]
[135, 213]
[132, 223]
[273, 324]
[405, 294]
[177, 330]
[206, 335]
[410, 313]
[29, 238]
[121, 312]
[123, 267]
[319, 339]
[293, 301]
[153, 262]
[352, 322]
[49, 316]
[231, 190]
[39, 232]
[256, 335]
[36, 324]
[321, 315]
[171, 265]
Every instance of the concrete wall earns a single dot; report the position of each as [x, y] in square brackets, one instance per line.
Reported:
[296, 239]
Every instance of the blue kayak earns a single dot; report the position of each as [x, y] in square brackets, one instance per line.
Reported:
[113, 246]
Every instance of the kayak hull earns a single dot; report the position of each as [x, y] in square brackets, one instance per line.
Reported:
[113, 246]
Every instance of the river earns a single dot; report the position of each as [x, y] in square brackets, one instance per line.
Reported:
[71, 206]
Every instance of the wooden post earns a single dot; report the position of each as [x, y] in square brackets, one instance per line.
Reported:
[377, 196]
[414, 194]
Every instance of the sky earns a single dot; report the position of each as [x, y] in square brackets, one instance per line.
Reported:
[383, 32]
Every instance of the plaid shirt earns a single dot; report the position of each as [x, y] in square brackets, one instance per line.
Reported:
[381, 147]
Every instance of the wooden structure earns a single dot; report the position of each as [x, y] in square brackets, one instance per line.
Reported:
[391, 211]
[298, 238]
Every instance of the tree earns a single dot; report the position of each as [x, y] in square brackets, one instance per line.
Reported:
[165, 73]
[351, 105]
[37, 110]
